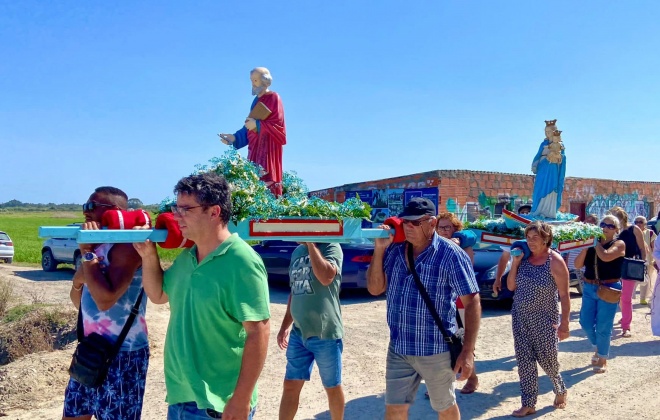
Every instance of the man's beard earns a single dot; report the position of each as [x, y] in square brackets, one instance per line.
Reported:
[256, 90]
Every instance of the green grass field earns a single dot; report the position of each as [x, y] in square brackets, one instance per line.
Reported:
[23, 229]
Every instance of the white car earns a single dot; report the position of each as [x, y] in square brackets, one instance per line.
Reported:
[60, 251]
[6, 248]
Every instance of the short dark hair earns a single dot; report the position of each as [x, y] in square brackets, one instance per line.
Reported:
[117, 196]
[543, 229]
[209, 189]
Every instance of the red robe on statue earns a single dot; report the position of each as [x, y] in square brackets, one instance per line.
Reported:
[265, 145]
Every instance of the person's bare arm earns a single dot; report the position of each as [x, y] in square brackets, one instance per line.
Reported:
[254, 357]
[639, 237]
[152, 273]
[579, 260]
[561, 276]
[282, 335]
[376, 279]
[470, 251]
[618, 249]
[465, 361]
[499, 272]
[107, 288]
[76, 288]
[324, 270]
[511, 282]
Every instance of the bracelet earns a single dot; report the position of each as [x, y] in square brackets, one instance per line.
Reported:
[77, 289]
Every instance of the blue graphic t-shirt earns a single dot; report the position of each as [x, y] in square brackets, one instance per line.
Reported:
[110, 323]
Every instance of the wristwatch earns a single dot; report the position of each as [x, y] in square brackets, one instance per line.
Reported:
[89, 256]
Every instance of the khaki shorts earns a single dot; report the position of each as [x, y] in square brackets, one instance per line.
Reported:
[404, 374]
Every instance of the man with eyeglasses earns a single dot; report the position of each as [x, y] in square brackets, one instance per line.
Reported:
[417, 348]
[104, 289]
[217, 337]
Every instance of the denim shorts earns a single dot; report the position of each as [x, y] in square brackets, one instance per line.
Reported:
[301, 354]
[121, 394]
[403, 375]
[189, 411]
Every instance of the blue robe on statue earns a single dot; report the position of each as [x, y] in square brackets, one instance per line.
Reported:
[549, 183]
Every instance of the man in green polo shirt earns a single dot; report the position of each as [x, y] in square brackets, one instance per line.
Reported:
[217, 337]
[314, 311]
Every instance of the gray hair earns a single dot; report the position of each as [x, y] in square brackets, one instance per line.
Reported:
[266, 78]
[612, 219]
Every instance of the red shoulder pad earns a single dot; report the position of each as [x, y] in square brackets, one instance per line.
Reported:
[396, 224]
[175, 238]
[125, 219]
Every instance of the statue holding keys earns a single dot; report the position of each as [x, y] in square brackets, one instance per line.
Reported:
[264, 132]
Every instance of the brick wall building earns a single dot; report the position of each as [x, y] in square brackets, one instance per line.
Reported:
[474, 193]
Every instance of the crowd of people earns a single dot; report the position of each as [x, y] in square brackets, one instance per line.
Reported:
[217, 337]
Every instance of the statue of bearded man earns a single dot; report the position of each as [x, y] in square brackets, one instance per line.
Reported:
[264, 131]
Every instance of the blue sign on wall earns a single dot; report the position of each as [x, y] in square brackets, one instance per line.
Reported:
[430, 193]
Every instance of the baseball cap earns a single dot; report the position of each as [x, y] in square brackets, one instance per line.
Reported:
[417, 208]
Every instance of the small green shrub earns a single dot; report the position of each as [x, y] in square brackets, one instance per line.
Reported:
[6, 294]
[21, 311]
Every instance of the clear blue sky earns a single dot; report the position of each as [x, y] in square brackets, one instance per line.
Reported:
[132, 94]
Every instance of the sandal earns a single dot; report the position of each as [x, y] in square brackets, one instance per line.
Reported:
[470, 387]
[560, 404]
[626, 334]
[524, 411]
[601, 368]
[594, 360]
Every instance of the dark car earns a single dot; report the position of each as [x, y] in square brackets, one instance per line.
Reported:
[486, 258]
[357, 256]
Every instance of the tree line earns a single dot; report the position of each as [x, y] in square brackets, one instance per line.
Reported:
[15, 205]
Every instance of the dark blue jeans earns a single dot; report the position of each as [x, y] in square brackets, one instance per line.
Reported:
[189, 411]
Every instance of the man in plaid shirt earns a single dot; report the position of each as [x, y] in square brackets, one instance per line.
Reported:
[417, 348]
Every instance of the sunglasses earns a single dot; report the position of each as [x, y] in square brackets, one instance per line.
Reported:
[414, 222]
[91, 205]
[639, 222]
[607, 225]
[182, 210]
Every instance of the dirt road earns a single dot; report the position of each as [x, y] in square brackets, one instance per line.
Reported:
[628, 390]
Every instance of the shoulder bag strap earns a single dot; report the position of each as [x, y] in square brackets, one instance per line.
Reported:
[127, 326]
[425, 295]
[596, 266]
[80, 330]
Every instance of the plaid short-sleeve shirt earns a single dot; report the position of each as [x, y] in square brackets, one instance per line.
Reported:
[446, 272]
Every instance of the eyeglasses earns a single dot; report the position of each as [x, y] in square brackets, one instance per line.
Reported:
[445, 228]
[604, 225]
[639, 222]
[182, 210]
[414, 222]
[91, 205]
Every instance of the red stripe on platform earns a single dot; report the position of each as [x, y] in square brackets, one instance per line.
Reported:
[292, 223]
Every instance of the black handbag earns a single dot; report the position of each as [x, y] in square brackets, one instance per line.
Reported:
[95, 353]
[633, 269]
[454, 341]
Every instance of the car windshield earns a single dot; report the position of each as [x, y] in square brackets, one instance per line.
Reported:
[4, 236]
